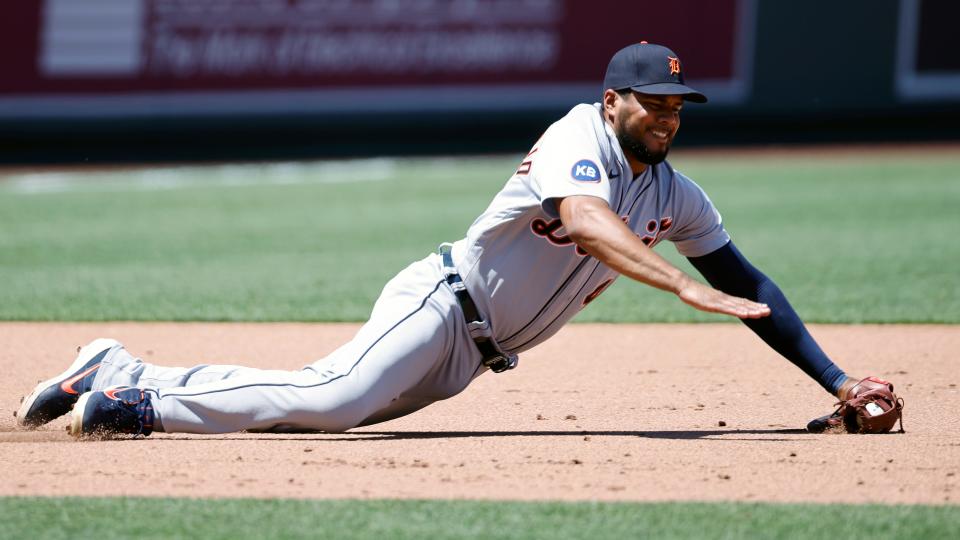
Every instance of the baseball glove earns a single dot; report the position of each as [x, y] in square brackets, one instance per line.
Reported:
[869, 407]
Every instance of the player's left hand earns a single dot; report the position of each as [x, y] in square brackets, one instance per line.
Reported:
[866, 406]
[708, 299]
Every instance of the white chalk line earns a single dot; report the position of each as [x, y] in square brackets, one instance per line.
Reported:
[201, 176]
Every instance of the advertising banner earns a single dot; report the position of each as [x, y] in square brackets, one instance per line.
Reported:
[183, 57]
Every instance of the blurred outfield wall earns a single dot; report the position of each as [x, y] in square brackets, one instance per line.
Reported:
[130, 80]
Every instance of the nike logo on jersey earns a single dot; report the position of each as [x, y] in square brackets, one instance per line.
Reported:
[612, 176]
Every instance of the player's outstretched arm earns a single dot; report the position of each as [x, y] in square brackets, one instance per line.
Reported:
[594, 227]
[727, 269]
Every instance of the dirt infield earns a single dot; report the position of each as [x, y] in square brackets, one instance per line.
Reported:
[601, 412]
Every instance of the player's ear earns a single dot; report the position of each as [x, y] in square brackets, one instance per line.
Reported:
[610, 99]
[611, 102]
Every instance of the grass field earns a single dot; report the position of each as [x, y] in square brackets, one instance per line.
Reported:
[867, 238]
[853, 239]
[365, 519]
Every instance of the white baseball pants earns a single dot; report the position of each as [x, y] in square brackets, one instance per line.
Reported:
[414, 350]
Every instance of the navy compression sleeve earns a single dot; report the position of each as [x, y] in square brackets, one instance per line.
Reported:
[729, 271]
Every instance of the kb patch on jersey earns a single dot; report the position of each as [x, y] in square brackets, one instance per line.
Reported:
[585, 171]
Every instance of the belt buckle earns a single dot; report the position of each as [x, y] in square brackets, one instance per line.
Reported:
[500, 363]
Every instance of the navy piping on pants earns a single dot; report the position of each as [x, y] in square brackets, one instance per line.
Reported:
[163, 393]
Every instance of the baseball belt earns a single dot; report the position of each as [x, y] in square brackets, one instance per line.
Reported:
[492, 358]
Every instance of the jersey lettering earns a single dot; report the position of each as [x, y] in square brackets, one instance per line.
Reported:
[593, 296]
[527, 163]
[656, 230]
[545, 229]
[548, 229]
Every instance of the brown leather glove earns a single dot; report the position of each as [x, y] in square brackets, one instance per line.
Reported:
[870, 406]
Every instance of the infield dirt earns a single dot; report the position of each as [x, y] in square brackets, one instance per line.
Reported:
[600, 412]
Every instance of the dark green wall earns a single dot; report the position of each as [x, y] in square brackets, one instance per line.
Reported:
[823, 71]
[823, 55]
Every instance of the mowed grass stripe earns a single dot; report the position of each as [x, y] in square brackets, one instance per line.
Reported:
[849, 238]
[143, 518]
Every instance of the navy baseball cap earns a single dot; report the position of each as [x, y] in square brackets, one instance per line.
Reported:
[649, 69]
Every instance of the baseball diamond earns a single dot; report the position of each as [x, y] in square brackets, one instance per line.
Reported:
[587, 204]
[479, 269]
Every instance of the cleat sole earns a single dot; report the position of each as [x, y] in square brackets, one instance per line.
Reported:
[75, 428]
[27, 403]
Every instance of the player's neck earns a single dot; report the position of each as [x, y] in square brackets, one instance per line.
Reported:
[636, 166]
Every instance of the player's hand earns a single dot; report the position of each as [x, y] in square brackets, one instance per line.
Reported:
[708, 299]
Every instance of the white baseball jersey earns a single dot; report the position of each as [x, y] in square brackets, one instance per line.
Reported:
[519, 266]
[524, 274]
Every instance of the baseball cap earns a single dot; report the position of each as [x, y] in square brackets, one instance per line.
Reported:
[649, 69]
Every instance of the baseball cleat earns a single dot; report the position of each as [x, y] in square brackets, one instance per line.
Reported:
[830, 421]
[118, 409]
[53, 398]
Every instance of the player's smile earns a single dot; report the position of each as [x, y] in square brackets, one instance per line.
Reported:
[645, 125]
[660, 136]
[659, 116]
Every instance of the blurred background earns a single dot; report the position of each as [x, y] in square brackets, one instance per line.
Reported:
[105, 81]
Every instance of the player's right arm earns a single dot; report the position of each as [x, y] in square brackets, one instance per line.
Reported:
[594, 227]
[727, 269]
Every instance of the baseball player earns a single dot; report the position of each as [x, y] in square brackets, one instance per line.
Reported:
[586, 205]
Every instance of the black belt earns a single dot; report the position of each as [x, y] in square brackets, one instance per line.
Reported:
[492, 358]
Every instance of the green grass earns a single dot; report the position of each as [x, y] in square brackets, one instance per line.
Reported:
[853, 239]
[380, 519]
[859, 239]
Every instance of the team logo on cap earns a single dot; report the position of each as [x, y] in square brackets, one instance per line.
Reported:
[585, 171]
[674, 65]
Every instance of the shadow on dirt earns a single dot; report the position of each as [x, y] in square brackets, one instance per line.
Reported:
[364, 436]
[674, 435]
[27, 436]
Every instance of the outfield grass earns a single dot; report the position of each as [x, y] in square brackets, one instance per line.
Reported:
[378, 519]
[849, 239]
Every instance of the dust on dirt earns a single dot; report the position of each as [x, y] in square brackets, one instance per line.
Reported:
[600, 412]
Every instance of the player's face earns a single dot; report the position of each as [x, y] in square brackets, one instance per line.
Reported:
[645, 124]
